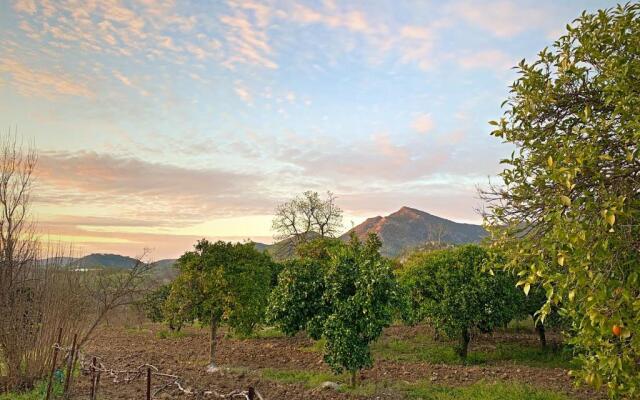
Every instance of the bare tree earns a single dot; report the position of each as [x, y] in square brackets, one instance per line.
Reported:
[39, 295]
[436, 234]
[36, 297]
[114, 289]
[305, 215]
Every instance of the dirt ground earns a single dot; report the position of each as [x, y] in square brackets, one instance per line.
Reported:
[127, 349]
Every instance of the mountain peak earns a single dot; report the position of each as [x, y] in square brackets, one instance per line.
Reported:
[409, 228]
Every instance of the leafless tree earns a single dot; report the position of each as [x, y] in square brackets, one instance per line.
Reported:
[39, 294]
[110, 290]
[306, 216]
[436, 234]
[36, 296]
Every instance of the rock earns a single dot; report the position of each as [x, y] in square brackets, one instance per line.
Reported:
[212, 368]
[329, 385]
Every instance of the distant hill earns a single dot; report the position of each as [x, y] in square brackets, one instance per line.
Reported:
[400, 232]
[409, 228]
[105, 261]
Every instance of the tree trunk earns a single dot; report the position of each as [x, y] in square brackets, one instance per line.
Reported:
[215, 321]
[354, 378]
[541, 334]
[464, 344]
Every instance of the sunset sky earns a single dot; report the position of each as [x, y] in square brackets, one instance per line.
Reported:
[157, 125]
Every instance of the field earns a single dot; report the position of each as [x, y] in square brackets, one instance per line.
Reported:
[409, 364]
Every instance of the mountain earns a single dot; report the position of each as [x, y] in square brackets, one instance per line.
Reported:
[105, 261]
[409, 228]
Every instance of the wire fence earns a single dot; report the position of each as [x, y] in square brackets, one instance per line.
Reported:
[156, 380]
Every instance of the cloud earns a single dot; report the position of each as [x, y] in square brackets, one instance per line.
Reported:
[243, 93]
[246, 38]
[25, 6]
[145, 190]
[489, 59]
[31, 82]
[501, 18]
[423, 123]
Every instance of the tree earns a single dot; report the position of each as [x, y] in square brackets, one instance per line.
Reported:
[568, 214]
[342, 293]
[530, 305]
[296, 303]
[307, 216]
[154, 305]
[36, 296]
[451, 289]
[222, 282]
[361, 288]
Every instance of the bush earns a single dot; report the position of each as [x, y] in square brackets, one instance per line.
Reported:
[451, 290]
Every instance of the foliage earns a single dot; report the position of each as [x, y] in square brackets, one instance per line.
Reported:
[342, 293]
[360, 287]
[222, 282]
[568, 216]
[451, 289]
[153, 303]
[39, 391]
[297, 302]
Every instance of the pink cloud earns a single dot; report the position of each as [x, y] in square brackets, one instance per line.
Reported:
[423, 123]
[31, 82]
[25, 6]
[501, 18]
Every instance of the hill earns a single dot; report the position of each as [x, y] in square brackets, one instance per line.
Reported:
[410, 228]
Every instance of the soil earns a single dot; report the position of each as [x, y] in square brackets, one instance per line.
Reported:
[128, 349]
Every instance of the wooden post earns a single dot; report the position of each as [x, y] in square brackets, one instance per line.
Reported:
[70, 366]
[53, 364]
[92, 368]
[97, 385]
[148, 383]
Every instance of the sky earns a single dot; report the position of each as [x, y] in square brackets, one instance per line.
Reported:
[159, 123]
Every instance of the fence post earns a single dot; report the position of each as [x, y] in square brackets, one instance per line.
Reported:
[148, 383]
[97, 385]
[70, 366]
[92, 368]
[53, 363]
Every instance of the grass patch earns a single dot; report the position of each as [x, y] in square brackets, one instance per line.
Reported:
[316, 347]
[423, 348]
[136, 330]
[309, 379]
[313, 379]
[169, 334]
[478, 391]
[267, 332]
[421, 389]
[37, 393]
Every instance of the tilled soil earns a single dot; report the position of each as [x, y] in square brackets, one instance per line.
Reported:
[123, 349]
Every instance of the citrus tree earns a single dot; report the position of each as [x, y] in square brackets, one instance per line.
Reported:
[222, 282]
[568, 214]
[296, 303]
[343, 293]
[361, 289]
[453, 291]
